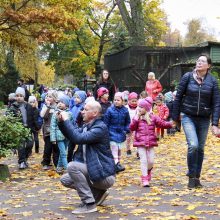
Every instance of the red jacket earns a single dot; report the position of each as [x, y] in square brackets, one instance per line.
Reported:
[162, 111]
[153, 88]
[145, 134]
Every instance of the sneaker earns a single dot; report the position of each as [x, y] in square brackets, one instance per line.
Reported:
[59, 170]
[46, 167]
[144, 181]
[85, 208]
[100, 199]
[128, 152]
[23, 165]
[191, 183]
[197, 183]
[119, 168]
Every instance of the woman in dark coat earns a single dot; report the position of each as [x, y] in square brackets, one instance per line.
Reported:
[198, 101]
[105, 81]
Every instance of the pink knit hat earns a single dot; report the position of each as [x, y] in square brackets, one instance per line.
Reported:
[132, 95]
[101, 91]
[146, 103]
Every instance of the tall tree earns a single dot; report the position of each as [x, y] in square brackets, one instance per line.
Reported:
[196, 33]
[144, 20]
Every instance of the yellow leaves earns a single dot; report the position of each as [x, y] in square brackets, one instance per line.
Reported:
[3, 212]
[26, 214]
[138, 211]
[52, 174]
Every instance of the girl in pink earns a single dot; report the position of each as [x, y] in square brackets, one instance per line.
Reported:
[144, 123]
[163, 112]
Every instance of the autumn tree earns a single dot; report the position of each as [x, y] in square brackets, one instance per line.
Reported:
[172, 38]
[144, 20]
[196, 33]
[27, 23]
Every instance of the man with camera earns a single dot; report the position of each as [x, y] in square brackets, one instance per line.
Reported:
[92, 170]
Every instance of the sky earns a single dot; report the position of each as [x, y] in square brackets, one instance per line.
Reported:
[179, 11]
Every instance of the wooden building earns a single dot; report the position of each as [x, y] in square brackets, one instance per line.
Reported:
[129, 68]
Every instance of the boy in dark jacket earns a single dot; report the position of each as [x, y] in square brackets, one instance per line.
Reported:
[26, 112]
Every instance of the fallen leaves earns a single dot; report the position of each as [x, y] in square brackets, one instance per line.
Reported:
[167, 199]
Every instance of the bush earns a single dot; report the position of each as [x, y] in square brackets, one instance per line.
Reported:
[12, 134]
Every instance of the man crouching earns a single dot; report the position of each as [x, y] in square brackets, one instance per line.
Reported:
[92, 170]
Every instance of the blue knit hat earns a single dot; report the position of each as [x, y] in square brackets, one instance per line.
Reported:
[64, 99]
[82, 95]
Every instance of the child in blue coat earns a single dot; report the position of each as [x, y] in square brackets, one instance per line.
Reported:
[117, 119]
[56, 136]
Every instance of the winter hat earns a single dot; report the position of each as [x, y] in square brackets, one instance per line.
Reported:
[159, 98]
[53, 94]
[146, 103]
[132, 95]
[75, 89]
[11, 96]
[82, 95]
[89, 99]
[168, 96]
[32, 99]
[101, 91]
[120, 94]
[20, 91]
[64, 99]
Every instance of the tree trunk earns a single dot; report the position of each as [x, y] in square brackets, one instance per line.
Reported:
[4, 172]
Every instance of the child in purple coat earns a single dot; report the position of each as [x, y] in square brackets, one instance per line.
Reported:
[145, 139]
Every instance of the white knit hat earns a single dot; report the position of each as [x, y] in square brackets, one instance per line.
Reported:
[32, 99]
[20, 91]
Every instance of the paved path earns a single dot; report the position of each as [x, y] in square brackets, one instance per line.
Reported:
[36, 194]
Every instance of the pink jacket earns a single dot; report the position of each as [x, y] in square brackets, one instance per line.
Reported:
[163, 111]
[145, 134]
[153, 88]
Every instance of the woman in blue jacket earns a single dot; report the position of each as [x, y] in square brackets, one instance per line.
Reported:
[197, 100]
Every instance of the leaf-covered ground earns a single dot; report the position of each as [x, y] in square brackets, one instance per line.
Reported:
[36, 194]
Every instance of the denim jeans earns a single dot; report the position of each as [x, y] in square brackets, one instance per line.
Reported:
[196, 130]
[62, 145]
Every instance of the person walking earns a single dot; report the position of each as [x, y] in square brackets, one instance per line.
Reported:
[117, 120]
[92, 171]
[144, 123]
[197, 100]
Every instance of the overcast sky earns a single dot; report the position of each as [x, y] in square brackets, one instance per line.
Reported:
[179, 11]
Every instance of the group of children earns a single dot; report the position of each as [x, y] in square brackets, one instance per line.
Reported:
[133, 120]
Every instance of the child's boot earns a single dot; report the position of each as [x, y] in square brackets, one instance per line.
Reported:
[149, 174]
[144, 181]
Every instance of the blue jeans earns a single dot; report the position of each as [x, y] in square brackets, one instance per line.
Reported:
[62, 145]
[196, 130]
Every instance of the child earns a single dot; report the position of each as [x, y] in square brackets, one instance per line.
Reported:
[103, 94]
[33, 102]
[79, 102]
[117, 119]
[145, 140]
[163, 112]
[56, 136]
[132, 105]
[143, 95]
[25, 112]
[46, 113]
[11, 99]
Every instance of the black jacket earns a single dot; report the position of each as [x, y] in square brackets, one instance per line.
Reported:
[108, 85]
[196, 99]
[99, 159]
[32, 119]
